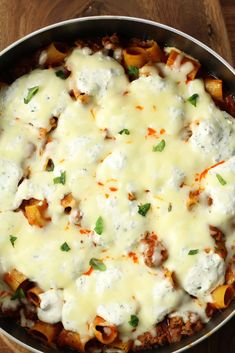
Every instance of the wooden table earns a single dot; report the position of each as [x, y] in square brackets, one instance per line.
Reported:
[201, 18]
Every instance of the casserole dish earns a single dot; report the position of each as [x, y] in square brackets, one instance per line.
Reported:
[89, 27]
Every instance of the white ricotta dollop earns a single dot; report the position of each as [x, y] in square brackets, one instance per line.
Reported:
[223, 196]
[94, 82]
[116, 313]
[177, 178]
[82, 283]
[77, 146]
[10, 175]
[51, 304]
[106, 280]
[207, 274]
[112, 166]
[223, 200]
[154, 82]
[212, 136]
[95, 74]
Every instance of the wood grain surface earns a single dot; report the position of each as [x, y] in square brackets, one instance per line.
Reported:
[210, 21]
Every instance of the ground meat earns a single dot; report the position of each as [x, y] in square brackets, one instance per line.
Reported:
[153, 251]
[111, 42]
[174, 329]
[169, 331]
[219, 239]
[210, 309]
[230, 274]
[230, 104]
[148, 340]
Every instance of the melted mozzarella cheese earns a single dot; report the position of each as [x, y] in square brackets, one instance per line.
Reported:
[110, 175]
[45, 103]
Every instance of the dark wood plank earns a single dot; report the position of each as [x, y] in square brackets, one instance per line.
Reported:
[228, 9]
[201, 18]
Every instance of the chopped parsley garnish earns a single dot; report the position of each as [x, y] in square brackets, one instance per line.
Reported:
[221, 180]
[97, 264]
[170, 207]
[160, 147]
[61, 179]
[193, 99]
[124, 131]
[133, 71]
[19, 294]
[99, 226]
[31, 92]
[12, 240]
[134, 321]
[193, 252]
[50, 165]
[65, 247]
[143, 209]
[61, 74]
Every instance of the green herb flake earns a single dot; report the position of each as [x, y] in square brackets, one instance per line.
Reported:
[50, 166]
[143, 209]
[160, 147]
[170, 207]
[12, 240]
[19, 294]
[124, 131]
[134, 321]
[61, 179]
[221, 180]
[193, 99]
[99, 226]
[31, 92]
[193, 252]
[133, 71]
[61, 74]
[97, 264]
[65, 247]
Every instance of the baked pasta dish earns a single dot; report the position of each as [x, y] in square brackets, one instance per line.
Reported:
[117, 185]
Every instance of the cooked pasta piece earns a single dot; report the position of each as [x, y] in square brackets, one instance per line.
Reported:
[178, 59]
[153, 51]
[35, 212]
[134, 56]
[68, 202]
[55, 54]
[33, 295]
[46, 333]
[214, 87]
[104, 331]
[122, 347]
[15, 279]
[72, 340]
[222, 296]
